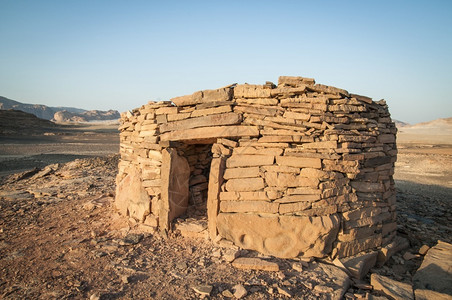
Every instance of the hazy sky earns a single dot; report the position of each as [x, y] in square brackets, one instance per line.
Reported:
[121, 54]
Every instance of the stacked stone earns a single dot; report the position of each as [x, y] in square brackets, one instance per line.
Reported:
[298, 169]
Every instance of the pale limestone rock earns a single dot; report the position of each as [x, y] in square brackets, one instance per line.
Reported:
[395, 289]
[239, 291]
[254, 263]
[245, 184]
[205, 121]
[299, 162]
[241, 172]
[295, 81]
[249, 160]
[210, 133]
[213, 202]
[235, 196]
[131, 197]
[283, 236]
[175, 191]
[251, 91]
[249, 206]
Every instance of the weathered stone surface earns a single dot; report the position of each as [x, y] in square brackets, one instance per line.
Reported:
[283, 236]
[359, 265]
[254, 263]
[213, 202]
[395, 289]
[435, 272]
[205, 121]
[235, 196]
[421, 294]
[299, 162]
[295, 81]
[175, 191]
[251, 91]
[248, 206]
[210, 132]
[241, 172]
[249, 160]
[367, 187]
[245, 184]
[131, 197]
[353, 247]
[386, 252]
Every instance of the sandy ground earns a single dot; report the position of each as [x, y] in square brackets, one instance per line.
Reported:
[61, 239]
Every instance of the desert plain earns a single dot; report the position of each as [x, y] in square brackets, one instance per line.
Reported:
[60, 237]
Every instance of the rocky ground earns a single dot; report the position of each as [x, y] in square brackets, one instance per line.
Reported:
[60, 238]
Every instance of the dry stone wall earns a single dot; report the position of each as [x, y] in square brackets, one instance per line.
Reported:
[294, 169]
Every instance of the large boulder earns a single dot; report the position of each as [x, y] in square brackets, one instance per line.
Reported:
[280, 236]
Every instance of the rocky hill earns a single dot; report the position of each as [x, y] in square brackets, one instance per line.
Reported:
[59, 114]
[13, 122]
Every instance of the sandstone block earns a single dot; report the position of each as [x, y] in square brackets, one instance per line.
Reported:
[258, 101]
[241, 172]
[353, 247]
[205, 121]
[297, 116]
[360, 265]
[248, 207]
[299, 162]
[435, 272]
[244, 185]
[213, 194]
[295, 81]
[209, 133]
[283, 236]
[246, 196]
[249, 160]
[131, 197]
[285, 208]
[251, 91]
[195, 98]
[395, 289]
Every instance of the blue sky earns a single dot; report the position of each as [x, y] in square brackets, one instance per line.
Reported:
[121, 54]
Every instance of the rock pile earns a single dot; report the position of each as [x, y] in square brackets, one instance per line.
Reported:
[294, 169]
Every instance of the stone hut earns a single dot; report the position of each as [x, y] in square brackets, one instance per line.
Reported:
[297, 169]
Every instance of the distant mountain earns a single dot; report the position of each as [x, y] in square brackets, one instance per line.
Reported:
[400, 124]
[438, 123]
[59, 114]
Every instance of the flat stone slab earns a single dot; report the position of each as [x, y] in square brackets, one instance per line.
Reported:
[395, 289]
[435, 272]
[253, 263]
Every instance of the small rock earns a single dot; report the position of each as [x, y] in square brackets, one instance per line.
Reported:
[230, 254]
[203, 289]
[216, 253]
[284, 291]
[409, 256]
[424, 249]
[239, 291]
[297, 267]
[94, 296]
[131, 239]
[125, 279]
[227, 294]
